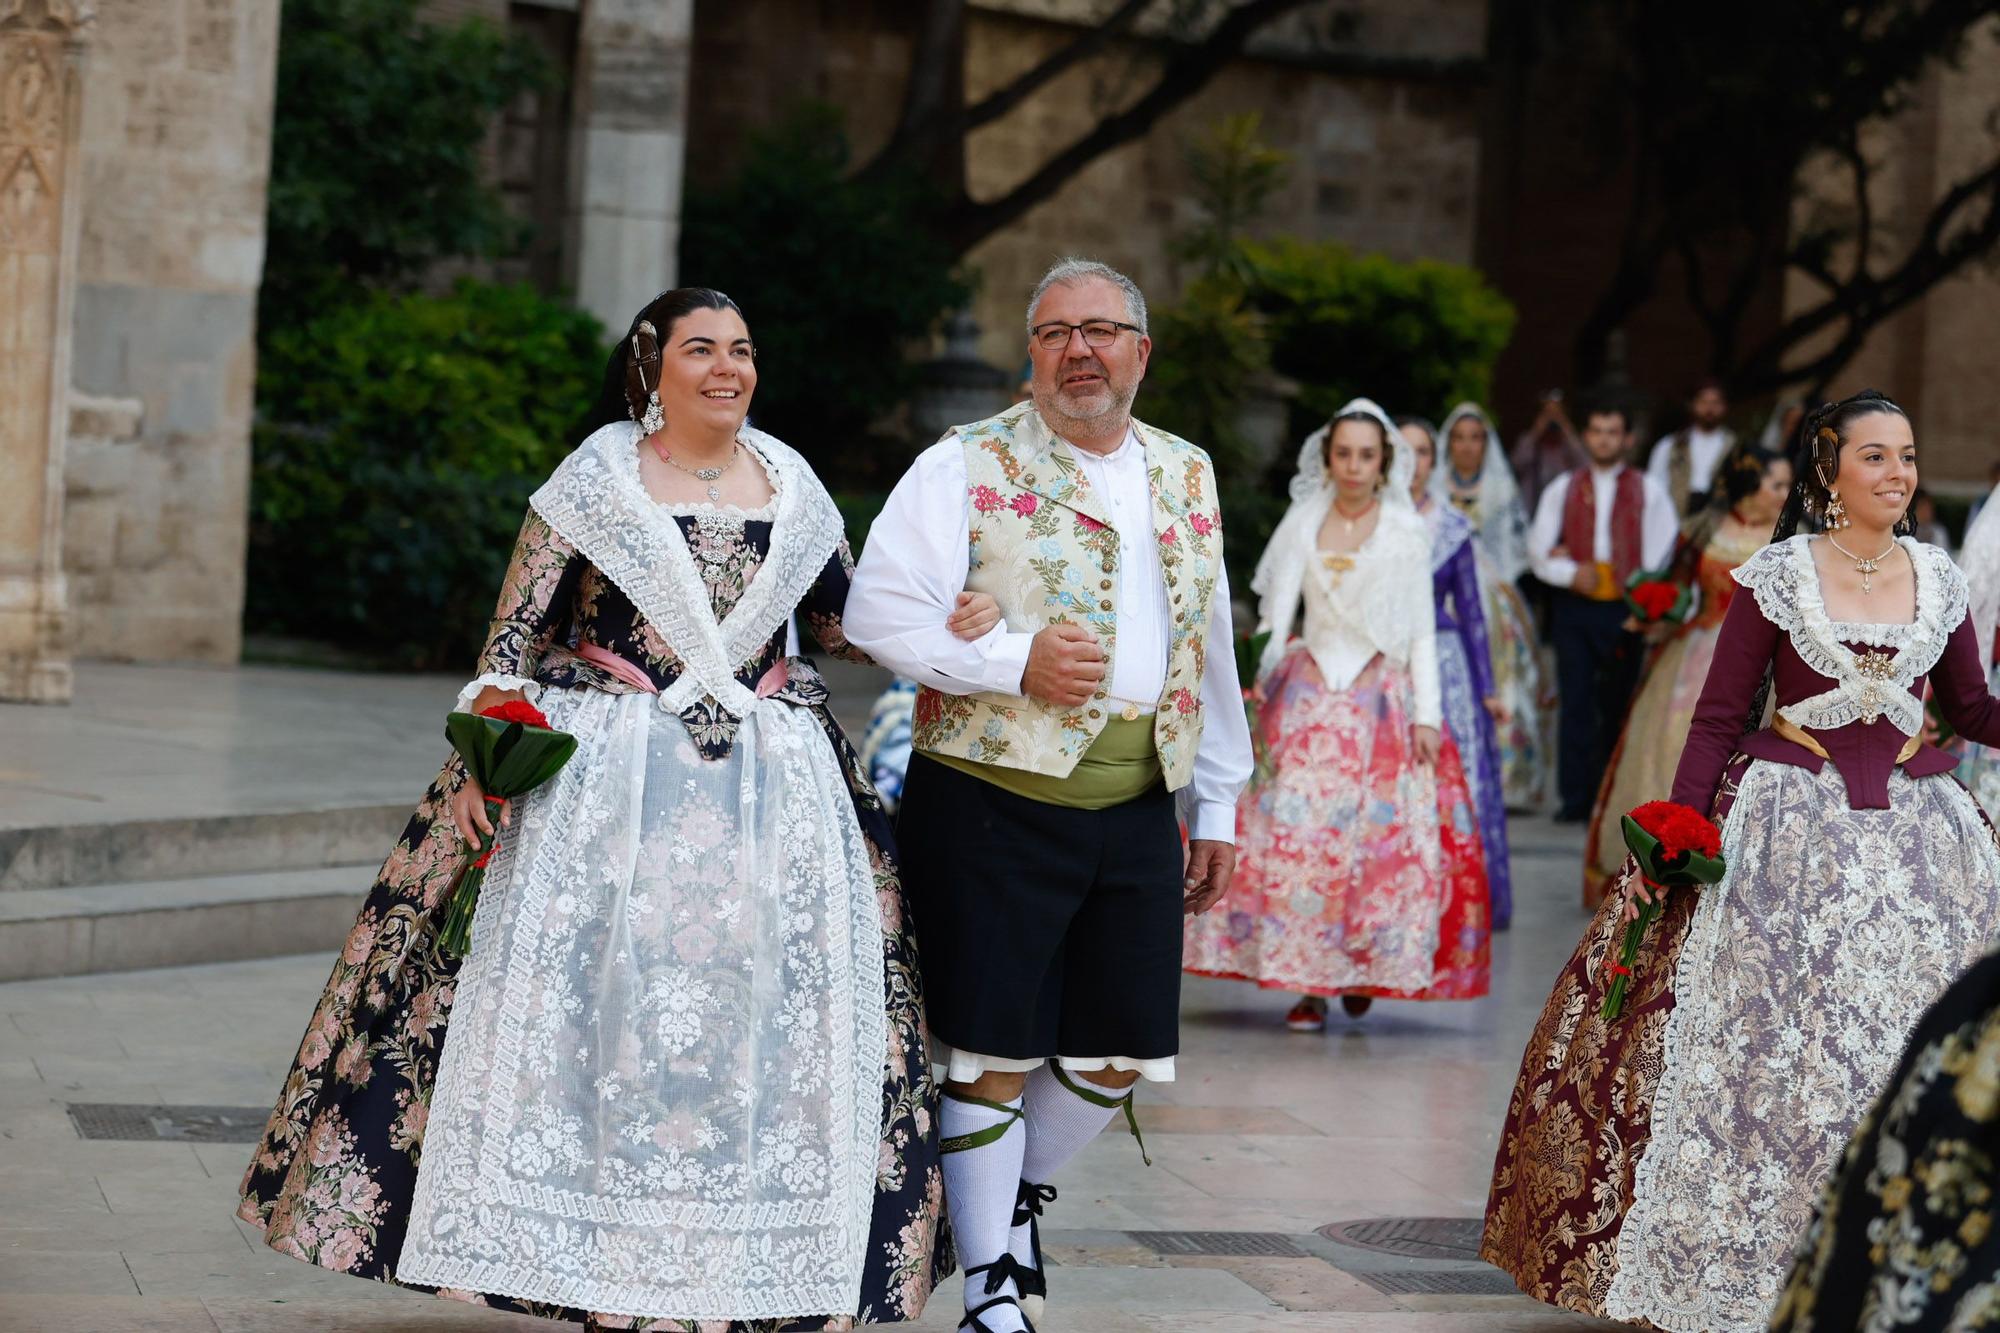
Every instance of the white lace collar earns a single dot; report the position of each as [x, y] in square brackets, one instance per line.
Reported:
[1876, 681]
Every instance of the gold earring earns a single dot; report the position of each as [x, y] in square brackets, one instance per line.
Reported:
[1836, 513]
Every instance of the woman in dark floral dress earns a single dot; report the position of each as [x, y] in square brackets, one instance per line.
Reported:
[685, 1086]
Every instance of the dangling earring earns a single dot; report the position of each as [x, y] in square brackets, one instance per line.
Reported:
[654, 418]
[1836, 512]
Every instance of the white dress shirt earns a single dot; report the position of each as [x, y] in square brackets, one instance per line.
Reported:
[1660, 526]
[1705, 451]
[915, 565]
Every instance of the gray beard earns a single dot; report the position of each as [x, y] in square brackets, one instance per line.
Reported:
[1065, 425]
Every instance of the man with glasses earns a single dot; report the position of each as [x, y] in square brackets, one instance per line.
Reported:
[1055, 759]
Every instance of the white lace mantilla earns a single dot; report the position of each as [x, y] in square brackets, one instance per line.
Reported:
[1802, 974]
[1875, 682]
[661, 1096]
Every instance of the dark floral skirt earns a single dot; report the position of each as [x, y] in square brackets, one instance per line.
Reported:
[1903, 1236]
[333, 1177]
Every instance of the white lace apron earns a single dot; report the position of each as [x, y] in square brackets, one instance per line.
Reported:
[661, 1091]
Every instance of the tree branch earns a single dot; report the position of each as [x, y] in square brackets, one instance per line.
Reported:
[1864, 209]
[999, 102]
[1862, 303]
[1187, 71]
[932, 113]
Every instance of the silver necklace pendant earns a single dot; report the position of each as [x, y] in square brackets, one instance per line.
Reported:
[714, 494]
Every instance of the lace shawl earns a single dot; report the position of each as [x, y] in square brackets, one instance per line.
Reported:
[1503, 515]
[596, 501]
[1868, 685]
[1449, 530]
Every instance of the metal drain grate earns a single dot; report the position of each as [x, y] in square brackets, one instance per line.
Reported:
[1444, 1282]
[1234, 1244]
[176, 1124]
[1410, 1237]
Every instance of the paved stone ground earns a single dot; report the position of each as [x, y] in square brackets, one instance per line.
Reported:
[1267, 1132]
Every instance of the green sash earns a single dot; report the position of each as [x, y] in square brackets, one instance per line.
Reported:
[1122, 764]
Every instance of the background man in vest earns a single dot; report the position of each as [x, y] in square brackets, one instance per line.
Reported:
[1685, 462]
[1038, 829]
[1593, 529]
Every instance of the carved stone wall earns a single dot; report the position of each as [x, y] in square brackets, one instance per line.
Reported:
[42, 45]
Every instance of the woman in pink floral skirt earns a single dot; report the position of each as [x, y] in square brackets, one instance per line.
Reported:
[1359, 871]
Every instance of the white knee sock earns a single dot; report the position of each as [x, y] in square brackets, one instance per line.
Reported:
[1060, 1123]
[979, 1187]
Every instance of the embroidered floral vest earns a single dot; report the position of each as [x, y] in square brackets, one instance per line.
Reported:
[1042, 546]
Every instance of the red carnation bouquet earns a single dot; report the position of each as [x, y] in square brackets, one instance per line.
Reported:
[1653, 598]
[1675, 847]
[509, 750]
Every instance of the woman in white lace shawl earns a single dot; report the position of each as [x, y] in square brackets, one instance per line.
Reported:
[1659, 1168]
[1359, 868]
[1474, 477]
[686, 1076]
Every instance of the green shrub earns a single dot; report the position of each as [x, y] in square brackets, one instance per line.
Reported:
[837, 279]
[399, 437]
[1416, 337]
[377, 142]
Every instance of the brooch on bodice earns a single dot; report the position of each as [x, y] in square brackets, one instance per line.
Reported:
[1336, 566]
[1876, 670]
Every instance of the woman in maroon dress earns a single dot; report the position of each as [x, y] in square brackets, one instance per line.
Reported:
[1659, 1168]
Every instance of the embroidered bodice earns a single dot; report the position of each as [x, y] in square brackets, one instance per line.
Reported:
[1857, 688]
[555, 600]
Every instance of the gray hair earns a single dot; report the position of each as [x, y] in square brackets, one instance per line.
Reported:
[1071, 270]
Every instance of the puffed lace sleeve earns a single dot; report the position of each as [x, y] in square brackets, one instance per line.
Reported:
[534, 607]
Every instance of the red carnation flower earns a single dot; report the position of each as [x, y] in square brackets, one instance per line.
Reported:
[1678, 828]
[1656, 599]
[1201, 523]
[1024, 504]
[517, 710]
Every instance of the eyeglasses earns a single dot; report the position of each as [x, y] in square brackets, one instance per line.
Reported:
[1055, 336]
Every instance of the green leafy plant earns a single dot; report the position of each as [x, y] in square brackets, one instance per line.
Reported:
[1415, 336]
[1234, 175]
[398, 440]
[377, 145]
[837, 278]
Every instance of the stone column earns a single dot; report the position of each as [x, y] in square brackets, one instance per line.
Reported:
[41, 88]
[630, 138]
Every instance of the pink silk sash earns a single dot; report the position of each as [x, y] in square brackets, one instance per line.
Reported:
[772, 681]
